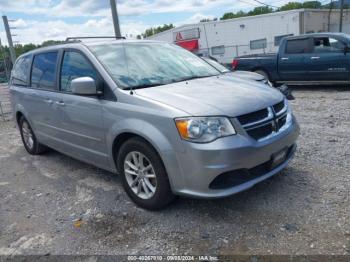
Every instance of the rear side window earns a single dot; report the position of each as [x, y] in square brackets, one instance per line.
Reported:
[44, 71]
[75, 65]
[21, 70]
[328, 45]
[297, 46]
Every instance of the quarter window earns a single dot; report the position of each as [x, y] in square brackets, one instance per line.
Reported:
[21, 71]
[297, 46]
[75, 65]
[327, 44]
[258, 44]
[44, 71]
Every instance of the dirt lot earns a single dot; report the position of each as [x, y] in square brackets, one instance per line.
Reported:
[55, 204]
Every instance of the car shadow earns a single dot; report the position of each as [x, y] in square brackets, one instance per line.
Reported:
[282, 186]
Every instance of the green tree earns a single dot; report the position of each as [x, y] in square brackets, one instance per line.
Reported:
[297, 5]
[21, 49]
[256, 11]
[51, 42]
[231, 15]
[152, 31]
[266, 9]
[24, 48]
[291, 6]
[312, 4]
[260, 10]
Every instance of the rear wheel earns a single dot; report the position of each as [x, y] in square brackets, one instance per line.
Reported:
[144, 177]
[29, 139]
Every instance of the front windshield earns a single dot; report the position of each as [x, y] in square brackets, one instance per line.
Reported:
[142, 64]
[217, 65]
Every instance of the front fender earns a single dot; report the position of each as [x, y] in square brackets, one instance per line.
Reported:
[151, 134]
[144, 129]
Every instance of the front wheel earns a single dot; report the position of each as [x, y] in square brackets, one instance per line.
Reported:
[144, 176]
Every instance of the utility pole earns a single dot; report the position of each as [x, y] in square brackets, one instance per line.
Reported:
[115, 18]
[9, 39]
[329, 15]
[341, 16]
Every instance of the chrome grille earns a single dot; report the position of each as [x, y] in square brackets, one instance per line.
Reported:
[261, 131]
[253, 117]
[263, 123]
[278, 107]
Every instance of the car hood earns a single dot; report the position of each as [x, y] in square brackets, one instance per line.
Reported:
[214, 96]
[248, 75]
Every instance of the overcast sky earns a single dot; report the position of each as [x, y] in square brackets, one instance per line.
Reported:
[40, 20]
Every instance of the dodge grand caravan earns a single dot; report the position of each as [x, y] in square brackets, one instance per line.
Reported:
[162, 118]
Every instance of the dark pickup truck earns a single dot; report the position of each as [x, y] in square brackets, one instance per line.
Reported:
[306, 59]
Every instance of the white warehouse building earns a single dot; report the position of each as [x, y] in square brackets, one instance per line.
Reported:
[227, 39]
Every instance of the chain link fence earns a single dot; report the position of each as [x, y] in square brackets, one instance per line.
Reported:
[5, 71]
[5, 103]
[5, 65]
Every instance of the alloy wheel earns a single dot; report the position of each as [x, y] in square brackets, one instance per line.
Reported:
[140, 175]
[28, 136]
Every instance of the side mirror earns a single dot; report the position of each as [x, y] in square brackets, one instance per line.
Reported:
[83, 86]
[346, 49]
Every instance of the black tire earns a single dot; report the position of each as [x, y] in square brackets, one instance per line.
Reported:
[36, 148]
[163, 194]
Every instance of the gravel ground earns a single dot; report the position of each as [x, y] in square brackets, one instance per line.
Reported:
[55, 204]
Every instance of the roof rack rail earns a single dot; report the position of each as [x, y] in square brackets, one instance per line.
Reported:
[78, 38]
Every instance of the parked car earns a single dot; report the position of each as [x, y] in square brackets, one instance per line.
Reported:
[307, 59]
[238, 73]
[251, 76]
[158, 115]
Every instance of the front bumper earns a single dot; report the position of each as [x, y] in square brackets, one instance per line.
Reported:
[199, 164]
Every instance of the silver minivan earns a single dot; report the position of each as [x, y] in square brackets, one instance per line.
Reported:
[162, 118]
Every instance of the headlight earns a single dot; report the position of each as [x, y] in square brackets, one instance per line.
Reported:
[204, 129]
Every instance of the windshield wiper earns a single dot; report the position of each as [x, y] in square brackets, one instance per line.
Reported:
[193, 77]
[161, 84]
[142, 86]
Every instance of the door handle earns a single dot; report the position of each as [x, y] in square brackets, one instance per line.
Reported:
[315, 57]
[60, 103]
[284, 58]
[48, 101]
